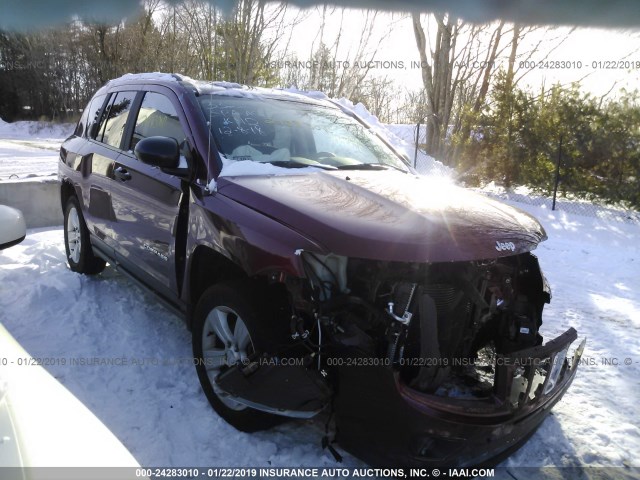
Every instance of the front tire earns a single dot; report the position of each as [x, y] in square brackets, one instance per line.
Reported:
[77, 243]
[227, 330]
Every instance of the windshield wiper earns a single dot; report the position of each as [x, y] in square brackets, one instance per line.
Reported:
[294, 164]
[369, 166]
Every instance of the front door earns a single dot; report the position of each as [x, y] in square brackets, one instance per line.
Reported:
[146, 201]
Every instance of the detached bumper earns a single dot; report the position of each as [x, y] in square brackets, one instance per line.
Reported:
[386, 423]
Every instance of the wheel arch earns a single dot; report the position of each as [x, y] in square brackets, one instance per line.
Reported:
[206, 268]
[209, 267]
[67, 190]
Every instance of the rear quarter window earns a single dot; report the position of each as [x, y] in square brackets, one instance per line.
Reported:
[82, 123]
[90, 116]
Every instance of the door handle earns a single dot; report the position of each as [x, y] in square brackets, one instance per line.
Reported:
[122, 174]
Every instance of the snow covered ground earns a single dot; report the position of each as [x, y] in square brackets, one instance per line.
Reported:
[30, 149]
[524, 194]
[594, 270]
[407, 132]
[154, 405]
[149, 396]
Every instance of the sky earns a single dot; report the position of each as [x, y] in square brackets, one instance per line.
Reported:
[602, 59]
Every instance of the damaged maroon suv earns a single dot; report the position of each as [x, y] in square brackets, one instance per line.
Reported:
[318, 273]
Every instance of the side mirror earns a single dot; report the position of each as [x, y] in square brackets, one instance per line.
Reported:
[162, 152]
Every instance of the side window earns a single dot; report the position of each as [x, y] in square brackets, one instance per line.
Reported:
[115, 119]
[157, 117]
[92, 111]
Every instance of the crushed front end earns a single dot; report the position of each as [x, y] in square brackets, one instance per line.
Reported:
[432, 364]
[386, 422]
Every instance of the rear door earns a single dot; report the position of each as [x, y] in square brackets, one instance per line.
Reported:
[105, 127]
[77, 153]
[146, 201]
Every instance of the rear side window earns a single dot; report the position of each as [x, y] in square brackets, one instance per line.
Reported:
[115, 118]
[157, 117]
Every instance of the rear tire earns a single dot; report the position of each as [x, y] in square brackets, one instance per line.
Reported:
[77, 242]
[226, 330]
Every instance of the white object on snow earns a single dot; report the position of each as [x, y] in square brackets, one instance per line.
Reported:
[42, 424]
[12, 226]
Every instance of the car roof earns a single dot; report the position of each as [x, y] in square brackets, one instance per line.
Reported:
[230, 89]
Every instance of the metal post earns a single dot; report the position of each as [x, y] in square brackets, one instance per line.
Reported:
[555, 187]
[415, 153]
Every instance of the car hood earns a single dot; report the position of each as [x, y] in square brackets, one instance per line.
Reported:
[388, 215]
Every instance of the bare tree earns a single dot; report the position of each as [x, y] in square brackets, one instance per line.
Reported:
[458, 64]
[437, 66]
[335, 67]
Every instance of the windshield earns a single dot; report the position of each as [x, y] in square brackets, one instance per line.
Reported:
[294, 134]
